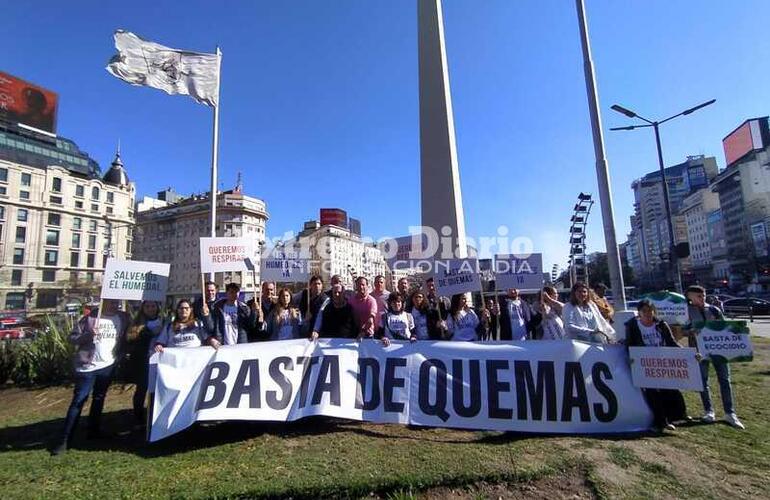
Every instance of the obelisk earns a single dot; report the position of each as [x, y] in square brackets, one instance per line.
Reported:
[441, 199]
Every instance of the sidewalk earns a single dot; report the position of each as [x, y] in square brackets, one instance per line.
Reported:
[759, 328]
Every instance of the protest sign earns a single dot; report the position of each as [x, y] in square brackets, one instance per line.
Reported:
[135, 280]
[284, 268]
[727, 339]
[665, 368]
[520, 272]
[452, 276]
[227, 254]
[672, 307]
[544, 387]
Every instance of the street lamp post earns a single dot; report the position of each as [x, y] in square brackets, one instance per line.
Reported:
[673, 260]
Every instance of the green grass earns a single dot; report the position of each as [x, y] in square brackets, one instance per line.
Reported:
[328, 458]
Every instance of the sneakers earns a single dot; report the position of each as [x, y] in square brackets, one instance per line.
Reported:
[732, 419]
[709, 417]
[59, 449]
[670, 427]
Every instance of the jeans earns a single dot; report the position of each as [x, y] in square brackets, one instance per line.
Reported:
[98, 381]
[722, 368]
[140, 394]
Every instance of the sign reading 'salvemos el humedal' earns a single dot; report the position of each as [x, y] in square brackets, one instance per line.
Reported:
[135, 280]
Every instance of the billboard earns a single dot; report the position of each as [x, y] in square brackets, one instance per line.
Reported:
[26, 103]
[751, 135]
[334, 217]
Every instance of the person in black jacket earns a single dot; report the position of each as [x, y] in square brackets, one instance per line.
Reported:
[318, 300]
[237, 323]
[336, 319]
[138, 341]
[517, 320]
[204, 310]
[647, 330]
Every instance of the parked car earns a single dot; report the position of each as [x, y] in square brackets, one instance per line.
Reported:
[734, 307]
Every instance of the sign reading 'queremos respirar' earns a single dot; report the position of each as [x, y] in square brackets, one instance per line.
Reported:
[551, 387]
[665, 368]
[227, 254]
[135, 280]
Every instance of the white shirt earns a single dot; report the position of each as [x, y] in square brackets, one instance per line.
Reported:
[518, 325]
[184, 337]
[420, 324]
[650, 335]
[230, 313]
[104, 343]
[464, 327]
[399, 325]
[553, 326]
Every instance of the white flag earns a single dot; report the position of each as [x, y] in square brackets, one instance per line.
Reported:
[140, 62]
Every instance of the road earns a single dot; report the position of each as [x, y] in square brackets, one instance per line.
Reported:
[760, 327]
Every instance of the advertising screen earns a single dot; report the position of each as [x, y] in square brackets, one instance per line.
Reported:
[27, 103]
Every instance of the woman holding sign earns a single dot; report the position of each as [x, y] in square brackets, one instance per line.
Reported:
[139, 342]
[284, 321]
[462, 322]
[184, 331]
[667, 405]
[96, 337]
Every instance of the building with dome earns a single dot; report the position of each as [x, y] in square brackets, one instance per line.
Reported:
[60, 219]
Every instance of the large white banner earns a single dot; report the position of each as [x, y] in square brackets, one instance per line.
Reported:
[452, 276]
[728, 339]
[665, 368]
[553, 387]
[135, 280]
[227, 254]
[520, 272]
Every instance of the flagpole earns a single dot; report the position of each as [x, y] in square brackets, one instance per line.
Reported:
[215, 156]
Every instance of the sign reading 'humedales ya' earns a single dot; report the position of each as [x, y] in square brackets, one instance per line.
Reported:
[665, 368]
[518, 271]
[135, 280]
[728, 339]
[284, 268]
[227, 254]
[452, 276]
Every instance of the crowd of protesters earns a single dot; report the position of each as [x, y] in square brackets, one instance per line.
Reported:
[103, 338]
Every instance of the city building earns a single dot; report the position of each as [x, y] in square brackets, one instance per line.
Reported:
[696, 209]
[334, 249]
[59, 219]
[169, 228]
[649, 244]
[744, 197]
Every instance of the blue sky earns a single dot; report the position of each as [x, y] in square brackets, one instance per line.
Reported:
[319, 100]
